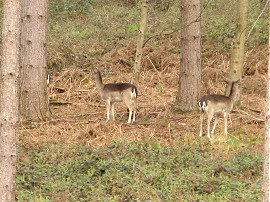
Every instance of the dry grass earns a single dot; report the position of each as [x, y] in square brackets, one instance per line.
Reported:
[79, 116]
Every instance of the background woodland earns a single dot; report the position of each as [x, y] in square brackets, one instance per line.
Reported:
[77, 156]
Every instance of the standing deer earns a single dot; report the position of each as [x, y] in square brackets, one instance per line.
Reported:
[212, 104]
[117, 92]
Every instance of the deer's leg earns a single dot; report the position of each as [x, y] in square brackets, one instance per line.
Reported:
[215, 123]
[112, 110]
[209, 119]
[201, 125]
[226, 123]
[129, 114]
[133, 115]
[108, 106]
[130, 105]
[133, 110]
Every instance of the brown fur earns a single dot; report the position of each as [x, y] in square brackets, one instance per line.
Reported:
[117, 92]
[212, 104]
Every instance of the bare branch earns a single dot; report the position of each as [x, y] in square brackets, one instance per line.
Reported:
[254, 24]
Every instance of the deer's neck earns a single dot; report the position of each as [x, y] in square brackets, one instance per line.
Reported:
[99, 83]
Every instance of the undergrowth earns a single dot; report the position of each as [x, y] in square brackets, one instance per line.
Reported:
[138, 171]
[80, 33]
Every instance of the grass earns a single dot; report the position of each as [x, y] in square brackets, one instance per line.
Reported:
[138, 171]
[80, 33]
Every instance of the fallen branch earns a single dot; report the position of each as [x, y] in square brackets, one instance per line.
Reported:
[27, 130]
[253, 117]
[58, 102]
[80, 115]
[59, 89]
[82, 91]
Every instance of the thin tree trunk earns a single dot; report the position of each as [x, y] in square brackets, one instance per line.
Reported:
[266, 170]
[190, 62]
[9, 98]
[138, 56]
[33, 73]
[238, 45]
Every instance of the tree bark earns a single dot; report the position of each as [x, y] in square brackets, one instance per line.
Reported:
[190, 62]
[33, 72]
[139, 51]
[238, 45]
[9, 98]
[266, 169]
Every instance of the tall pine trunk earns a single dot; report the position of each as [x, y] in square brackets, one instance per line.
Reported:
[190, 61]
[266, 170]
[33, 72]
[139, 51]
[238, 45]
[9, 98]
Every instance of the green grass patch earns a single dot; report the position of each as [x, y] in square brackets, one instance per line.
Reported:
[138, 172]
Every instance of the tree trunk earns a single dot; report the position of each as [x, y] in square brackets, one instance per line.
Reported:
[138, 56]
[33, 72]
[190, 62]
[266, 170]
[238, 45]
[9, 98]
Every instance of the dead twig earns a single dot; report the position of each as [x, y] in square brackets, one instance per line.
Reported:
[80, 115]
[27, 130]
[253, 117]
[58, 102]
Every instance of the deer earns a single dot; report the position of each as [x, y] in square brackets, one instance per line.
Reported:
[117, 92]
[213, 104]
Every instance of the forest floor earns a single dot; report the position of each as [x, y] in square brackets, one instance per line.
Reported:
[79, 115]
[78, 156]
